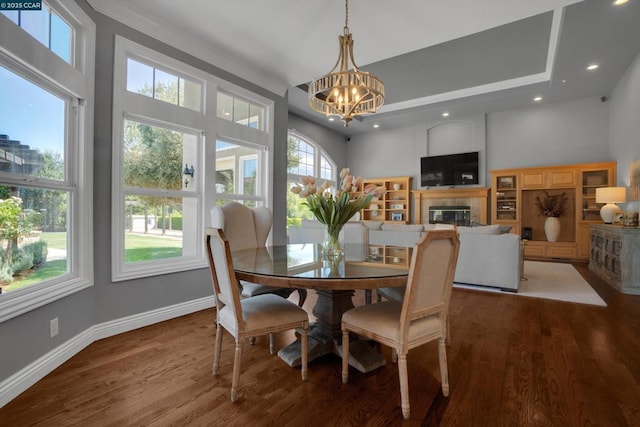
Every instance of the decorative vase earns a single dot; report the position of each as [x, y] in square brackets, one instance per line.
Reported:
[331, 248]
[552, 228]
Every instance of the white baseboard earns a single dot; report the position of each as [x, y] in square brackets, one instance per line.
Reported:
[11, 387]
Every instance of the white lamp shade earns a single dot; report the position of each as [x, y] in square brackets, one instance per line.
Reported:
[610, 196]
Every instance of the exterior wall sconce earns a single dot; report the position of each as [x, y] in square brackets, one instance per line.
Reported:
[187, 172]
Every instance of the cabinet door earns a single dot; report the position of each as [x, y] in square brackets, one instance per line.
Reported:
[563, 179]
[533, 179]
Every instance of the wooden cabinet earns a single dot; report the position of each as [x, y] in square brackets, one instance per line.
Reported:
[394, 205]
[390, 256]
[614, 256]
[513, 202]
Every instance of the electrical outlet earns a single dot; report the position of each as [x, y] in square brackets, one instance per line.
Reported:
[53, 327]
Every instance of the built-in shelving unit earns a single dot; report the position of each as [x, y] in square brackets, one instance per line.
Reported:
[513, 202]
[394, 205]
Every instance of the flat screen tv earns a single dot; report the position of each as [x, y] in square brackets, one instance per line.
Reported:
[451, 169]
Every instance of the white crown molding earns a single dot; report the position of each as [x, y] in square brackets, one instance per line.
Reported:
[17, 383]
[169, 34]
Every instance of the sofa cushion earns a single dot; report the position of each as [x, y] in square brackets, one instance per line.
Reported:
[373, 225]
[484, 229]
[402, 227]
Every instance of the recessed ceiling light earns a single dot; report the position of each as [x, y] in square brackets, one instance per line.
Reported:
[564, 80]
[331, 119]
[592, 67]
[376, 126]
[445, 114]
[619, 2]
[537, 98]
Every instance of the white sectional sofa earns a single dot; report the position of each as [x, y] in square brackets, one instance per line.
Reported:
[488, 256]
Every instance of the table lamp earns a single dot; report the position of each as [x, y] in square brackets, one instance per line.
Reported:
[610, 196]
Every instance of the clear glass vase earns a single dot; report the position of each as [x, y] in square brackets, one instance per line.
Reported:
[332, 248]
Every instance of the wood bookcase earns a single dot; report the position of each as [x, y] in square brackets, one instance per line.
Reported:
[394, 205]
[513, 198]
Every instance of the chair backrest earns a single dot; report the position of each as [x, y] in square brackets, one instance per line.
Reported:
[223, 277]
[244, 227]
[355, 238]
[433, 264]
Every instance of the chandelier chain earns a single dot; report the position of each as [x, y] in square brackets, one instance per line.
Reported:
[346, 14]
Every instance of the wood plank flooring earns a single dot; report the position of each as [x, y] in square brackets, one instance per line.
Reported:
[513, 361]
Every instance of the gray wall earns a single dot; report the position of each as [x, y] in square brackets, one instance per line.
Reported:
[554, 134]
[26, 338]
[624, 129]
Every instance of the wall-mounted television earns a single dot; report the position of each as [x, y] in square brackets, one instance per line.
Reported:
[451, 169]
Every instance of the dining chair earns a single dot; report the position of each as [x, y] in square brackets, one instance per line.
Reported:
[355, 239]
[422, 315]
[246, 228]
[249, 317]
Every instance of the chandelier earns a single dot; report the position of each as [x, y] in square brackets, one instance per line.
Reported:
[346, 93]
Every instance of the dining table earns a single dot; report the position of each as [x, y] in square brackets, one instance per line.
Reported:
[334, 280]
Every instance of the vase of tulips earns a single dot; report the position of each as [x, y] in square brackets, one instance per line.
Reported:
[334, 209]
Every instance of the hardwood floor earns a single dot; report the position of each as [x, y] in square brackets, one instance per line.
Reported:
[513, 361]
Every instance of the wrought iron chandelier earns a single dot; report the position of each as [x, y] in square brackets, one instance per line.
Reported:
[346, 93]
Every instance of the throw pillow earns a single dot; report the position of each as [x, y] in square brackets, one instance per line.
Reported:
[484, 229]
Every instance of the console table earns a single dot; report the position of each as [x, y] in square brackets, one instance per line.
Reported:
[614, 256]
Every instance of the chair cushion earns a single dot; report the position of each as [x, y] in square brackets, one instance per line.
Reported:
[383, 319]
[263, 312]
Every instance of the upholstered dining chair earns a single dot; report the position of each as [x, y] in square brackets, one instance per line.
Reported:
[422, 315]
[249, 317]
[245, 228]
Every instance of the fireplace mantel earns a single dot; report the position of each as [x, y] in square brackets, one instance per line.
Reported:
[476, 197]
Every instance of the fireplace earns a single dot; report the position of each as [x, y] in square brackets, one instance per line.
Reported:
[458, 215]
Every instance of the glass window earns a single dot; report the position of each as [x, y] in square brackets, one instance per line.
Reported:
[305, 158]
[45, 130]
[240, 111]
[162, 85]
[33, 219]
[246, 186]
[48, 28]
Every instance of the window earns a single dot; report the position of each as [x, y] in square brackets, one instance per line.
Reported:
[45, 134]
[158, 142]
[305, 158]
[240, 111]
[246, 186]
[47, 27]
[174, 160]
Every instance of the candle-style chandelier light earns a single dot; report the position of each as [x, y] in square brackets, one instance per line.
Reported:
[346, 93]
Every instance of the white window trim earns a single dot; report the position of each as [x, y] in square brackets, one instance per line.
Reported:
[131, 106]
[27, 54]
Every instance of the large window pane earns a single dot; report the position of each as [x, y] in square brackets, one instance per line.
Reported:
[154, 227]
[34, 232]
[155, 157]
[32, 128]
[249, 175]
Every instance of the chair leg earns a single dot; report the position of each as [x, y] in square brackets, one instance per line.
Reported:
[448, 331]
[404, 384]
[216, 350]
[302, 296]
[237, 358]
[444, 373]
[304, 337]
[345, 356]
[272, 343]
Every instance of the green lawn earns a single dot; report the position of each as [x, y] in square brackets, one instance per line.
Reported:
[139, 247]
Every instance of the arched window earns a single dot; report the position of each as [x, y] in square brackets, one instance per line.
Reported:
[305, 158]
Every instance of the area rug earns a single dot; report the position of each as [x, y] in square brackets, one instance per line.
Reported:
[555, 281]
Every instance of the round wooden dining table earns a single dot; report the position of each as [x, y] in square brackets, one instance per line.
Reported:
[303, 266]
